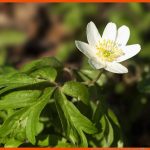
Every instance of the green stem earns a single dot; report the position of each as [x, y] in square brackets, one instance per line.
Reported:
[51, 82]
[92, 82]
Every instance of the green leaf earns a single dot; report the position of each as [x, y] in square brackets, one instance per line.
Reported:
[24, 123]
[64, 144]
[109, 129]
[76, 90]
[14, 81]
[5, 70]
[14, 122]
[44, 141]
[35, 110]
[53, 140]
[116, 129]
[40, 63]
[113, 117]
[108, 134]
[18, 99]
[16, 78]
[11, 87]
[105, 136]
[73, 122]
[47, 73]
[99, 112]
[11, 143]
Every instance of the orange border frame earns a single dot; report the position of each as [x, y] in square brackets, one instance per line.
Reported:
[73, 1]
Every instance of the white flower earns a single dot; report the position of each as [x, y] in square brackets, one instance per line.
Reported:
[109, 50]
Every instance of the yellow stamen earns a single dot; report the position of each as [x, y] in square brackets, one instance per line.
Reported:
[108, 50]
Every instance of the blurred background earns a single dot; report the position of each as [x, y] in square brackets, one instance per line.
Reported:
[31, 31]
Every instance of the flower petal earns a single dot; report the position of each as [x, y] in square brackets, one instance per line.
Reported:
[110, 32]
[96, 64]
[86, 49]
[123, 35]
[93, 35]
[116, 68]
[129, 51]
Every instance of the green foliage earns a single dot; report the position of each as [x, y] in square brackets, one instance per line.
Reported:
[12, 143]
[73, 122]
[17, 99]
[109, 128]
[32, 101]
[76, 90]
[26, 96]
[44, 62]
[47, 73]
[33, 118]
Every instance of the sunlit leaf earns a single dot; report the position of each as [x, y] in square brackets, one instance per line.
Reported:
[76, 90]
[35, 110]
[14, 122]
[47, 73]
[73, 122]
[18, 99]
[13, 143]
[40, 63]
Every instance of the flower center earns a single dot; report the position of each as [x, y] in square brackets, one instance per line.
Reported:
[108, 50]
